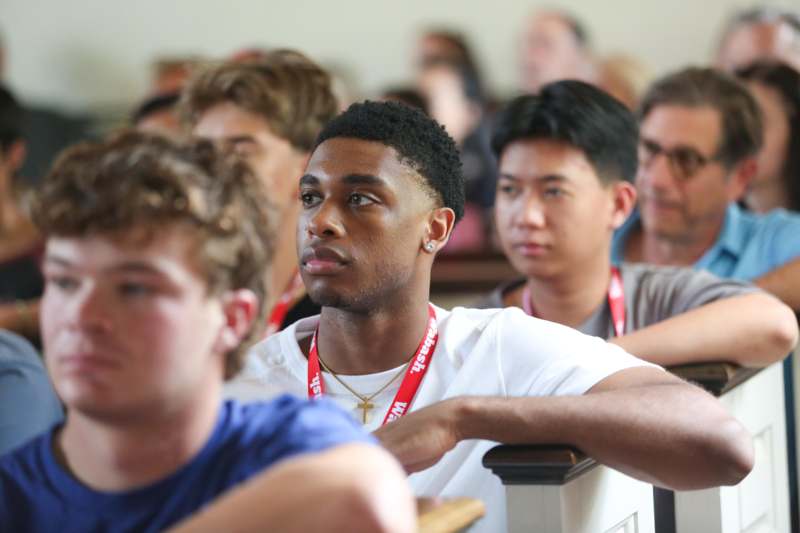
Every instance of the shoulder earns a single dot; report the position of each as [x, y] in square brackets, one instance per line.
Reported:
[648, 276]
[766, 241]
[26, 467]
[656, 293]
[766, 226]
[507, 329]
[289, 422]
[15, 351]
[495, 299]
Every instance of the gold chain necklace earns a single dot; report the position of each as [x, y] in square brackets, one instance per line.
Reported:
[365, 404]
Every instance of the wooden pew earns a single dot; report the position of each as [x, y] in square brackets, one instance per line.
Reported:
[464, 278]
[761, 501]
[557, 489]
[447, 516]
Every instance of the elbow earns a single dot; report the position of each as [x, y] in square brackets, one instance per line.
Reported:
[780, 333]
[785, 332]
[366, 513]
[733, 453]
[382, 503]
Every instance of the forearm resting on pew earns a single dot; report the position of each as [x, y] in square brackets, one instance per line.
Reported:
[352, 487]
[752, 330]
[640, 421]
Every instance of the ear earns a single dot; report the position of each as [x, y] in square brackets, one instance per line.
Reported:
[239, 308]
[15, 156]
[624, 198]
[438, 228]
[740, 177]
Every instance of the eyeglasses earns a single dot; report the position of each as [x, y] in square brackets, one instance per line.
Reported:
[683, 162]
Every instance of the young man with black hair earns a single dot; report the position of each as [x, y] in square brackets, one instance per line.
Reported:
[154, 289]
[380, 195]
[567, 161]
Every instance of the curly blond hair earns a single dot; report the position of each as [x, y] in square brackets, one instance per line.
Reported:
[143, 181]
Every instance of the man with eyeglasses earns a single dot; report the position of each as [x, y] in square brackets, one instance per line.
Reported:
[699, 133]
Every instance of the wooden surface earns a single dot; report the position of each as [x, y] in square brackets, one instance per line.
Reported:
[470, 273]
[447, 516]
[536, 464]
[716, 378]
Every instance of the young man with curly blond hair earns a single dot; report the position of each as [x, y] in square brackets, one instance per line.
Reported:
[154, 274]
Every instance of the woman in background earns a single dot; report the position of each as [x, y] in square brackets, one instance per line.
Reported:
[776, 88]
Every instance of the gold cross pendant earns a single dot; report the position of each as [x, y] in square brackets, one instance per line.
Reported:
[365, 406]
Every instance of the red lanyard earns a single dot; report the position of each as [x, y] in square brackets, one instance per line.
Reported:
[416, 370]
[616, 302]
[281, 308]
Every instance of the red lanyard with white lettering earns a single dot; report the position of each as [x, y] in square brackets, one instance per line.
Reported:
[616, 302]
[281, 308]
[416, 370]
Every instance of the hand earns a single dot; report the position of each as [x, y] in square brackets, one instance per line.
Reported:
[419, 439]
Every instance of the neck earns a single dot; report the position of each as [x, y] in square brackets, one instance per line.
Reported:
[123, 455]
[657, 249]
[358, 343]
[570, 298]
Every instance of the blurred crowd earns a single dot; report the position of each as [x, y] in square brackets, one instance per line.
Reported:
[759, 46]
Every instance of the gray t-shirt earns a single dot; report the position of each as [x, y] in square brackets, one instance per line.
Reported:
[28, 403]
[652, 294]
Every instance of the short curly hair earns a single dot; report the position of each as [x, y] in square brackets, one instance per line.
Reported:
[421, 142]
[284, 87]
[143, 181]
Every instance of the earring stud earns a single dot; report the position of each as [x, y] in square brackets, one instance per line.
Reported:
[429, 246]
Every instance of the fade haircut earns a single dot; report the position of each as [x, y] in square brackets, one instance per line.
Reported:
[284, 87]
[580, 115]
[138, 182]
[420, 142]
[740, 117]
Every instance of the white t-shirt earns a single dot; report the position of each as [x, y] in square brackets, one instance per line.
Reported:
[489, 352]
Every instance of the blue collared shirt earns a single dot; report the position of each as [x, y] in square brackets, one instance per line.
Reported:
[748, 246]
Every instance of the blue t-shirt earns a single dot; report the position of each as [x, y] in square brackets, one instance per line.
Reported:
[38, 495]
[28, 404]
[749, 245]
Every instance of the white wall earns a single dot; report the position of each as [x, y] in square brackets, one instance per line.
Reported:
[88, 53]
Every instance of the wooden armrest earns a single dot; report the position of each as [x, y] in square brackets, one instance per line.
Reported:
[447, 516]
[716, 378]
[537, 464]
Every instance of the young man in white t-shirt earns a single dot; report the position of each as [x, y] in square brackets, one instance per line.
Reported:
[380, 196]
